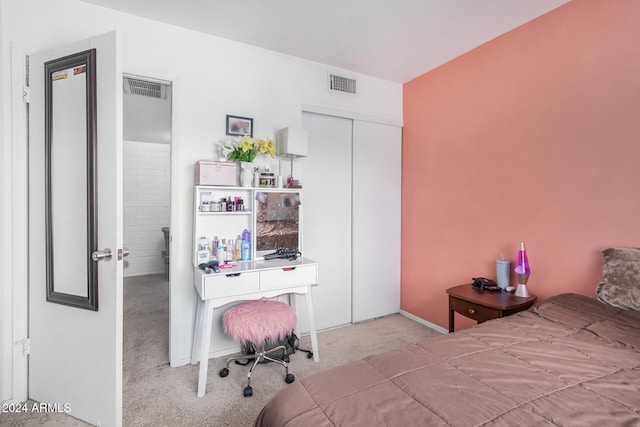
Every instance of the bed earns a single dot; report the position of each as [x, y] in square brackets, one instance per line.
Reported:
[569, 360]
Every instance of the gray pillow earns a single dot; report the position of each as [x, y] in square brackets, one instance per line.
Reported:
[620, 286]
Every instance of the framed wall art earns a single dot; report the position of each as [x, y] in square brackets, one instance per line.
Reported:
[239, 126]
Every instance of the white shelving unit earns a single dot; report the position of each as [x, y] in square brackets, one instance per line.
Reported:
[230, 224]
[253, 279]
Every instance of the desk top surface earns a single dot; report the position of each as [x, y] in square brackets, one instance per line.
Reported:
[260, 264]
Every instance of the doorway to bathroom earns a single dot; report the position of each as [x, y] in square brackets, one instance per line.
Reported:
[147, 104]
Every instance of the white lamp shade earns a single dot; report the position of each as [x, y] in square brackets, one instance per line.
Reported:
[292, 142]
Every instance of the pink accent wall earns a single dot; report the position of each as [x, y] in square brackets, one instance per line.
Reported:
[533, 136]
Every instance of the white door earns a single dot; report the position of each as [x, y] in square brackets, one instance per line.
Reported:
[75, 362]
[377, 199]
[326, 178]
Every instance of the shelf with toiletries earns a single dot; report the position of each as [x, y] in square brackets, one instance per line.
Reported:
[237, 224]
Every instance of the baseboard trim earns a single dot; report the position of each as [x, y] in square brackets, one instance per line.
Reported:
[424, 322]
[212, 355]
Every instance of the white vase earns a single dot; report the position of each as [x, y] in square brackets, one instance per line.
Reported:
[246, 174]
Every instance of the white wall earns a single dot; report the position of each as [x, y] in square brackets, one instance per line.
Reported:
[146, 201]
[213, 77]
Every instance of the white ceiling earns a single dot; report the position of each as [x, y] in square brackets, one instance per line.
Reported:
[395, 40]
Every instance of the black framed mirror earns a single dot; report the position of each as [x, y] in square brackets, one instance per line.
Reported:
[70, 180]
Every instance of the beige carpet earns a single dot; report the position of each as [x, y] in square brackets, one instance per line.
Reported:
[157, 395]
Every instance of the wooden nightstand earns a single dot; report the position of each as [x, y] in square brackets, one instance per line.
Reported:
[481, 305]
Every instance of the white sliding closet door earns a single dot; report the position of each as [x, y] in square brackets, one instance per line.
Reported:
[377, 184]
[326, 178]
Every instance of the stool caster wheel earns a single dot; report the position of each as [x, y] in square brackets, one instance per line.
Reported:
[286, 359]
[224, 372]
[289, 378]
[248, 391]
[309, 355]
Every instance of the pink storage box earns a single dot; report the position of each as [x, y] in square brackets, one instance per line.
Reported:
[209, 172]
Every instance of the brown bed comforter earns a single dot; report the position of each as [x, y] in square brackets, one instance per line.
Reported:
[569, 360]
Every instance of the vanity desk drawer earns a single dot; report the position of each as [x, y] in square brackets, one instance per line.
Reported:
[230, 284]
[288, 277]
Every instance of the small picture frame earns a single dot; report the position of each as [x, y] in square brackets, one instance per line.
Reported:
[239, 126]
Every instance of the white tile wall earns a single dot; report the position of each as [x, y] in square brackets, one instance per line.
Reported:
[146, 205]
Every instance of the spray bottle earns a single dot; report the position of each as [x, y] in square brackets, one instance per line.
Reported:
[246, 246]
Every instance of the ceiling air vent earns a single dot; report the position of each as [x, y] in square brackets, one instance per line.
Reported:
[342, 84]
[145, 88]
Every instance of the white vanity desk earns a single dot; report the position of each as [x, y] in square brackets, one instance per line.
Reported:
[248, 280]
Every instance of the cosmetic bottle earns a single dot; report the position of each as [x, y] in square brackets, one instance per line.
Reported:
[246, 250]
[203, 252]
[214, 247]
[203, 241]
[231, 251]
[222, 254]
[238, 248]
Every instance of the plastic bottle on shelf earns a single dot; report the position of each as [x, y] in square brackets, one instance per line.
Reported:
[203, 251]
[214, 247]
[222, 252]
[203, 241]
[231, 251]
[246, 250]
[245, 245]
[238, 248]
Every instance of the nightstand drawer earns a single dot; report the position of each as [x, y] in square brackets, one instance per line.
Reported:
[233, 284]
[288, 277]
[473, 311]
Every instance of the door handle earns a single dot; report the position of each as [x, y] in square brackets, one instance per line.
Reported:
[122, 253]
[104, 254]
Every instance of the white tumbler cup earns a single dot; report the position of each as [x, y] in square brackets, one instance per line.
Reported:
[503, 271]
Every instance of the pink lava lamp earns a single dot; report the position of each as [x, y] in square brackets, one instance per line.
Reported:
[522, 271]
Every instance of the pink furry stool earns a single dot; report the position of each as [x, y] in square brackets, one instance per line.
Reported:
[258, 323]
